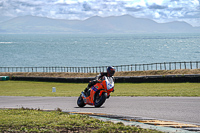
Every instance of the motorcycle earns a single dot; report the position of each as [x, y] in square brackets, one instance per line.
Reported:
[97, 94]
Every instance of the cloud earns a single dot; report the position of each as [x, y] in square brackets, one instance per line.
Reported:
[159, 10]
[155, 6]
[86, 7]
[134, 9]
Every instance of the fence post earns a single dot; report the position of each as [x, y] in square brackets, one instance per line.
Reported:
[175, 65]
[185, 65]
[156, 67]
[160, 66]
[143, 67]
[165, 65]
[135, 67]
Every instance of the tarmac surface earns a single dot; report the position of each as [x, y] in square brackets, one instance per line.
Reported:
[180, 109]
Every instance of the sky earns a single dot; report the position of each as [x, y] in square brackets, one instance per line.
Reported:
[158, 10]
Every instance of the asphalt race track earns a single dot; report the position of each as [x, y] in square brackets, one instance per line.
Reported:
[182, 109]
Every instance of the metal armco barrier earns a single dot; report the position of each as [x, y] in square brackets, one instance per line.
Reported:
[119, 68]
[138, 79]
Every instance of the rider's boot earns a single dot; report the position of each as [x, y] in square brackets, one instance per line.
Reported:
[86, 90]
[91, 83]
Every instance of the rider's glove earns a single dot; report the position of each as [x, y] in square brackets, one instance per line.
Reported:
[99, 81]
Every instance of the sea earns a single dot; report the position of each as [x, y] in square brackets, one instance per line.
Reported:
[90, 50]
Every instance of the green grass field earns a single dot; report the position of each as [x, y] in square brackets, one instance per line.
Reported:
[26, 120]
[31, 88]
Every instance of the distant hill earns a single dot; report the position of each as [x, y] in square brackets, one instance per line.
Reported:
[96, 24]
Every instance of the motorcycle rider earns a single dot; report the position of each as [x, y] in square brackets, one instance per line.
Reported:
[110, 72]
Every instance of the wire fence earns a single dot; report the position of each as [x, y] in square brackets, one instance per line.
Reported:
[119, 68]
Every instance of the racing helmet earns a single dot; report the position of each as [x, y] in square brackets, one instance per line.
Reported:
[110, 71]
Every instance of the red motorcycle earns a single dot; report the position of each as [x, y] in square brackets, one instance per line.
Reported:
[97, 94]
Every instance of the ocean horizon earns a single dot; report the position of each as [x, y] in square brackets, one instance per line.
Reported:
[89, 50]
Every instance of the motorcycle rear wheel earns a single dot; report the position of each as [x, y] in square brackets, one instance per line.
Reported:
[99, 100]
[80, 101]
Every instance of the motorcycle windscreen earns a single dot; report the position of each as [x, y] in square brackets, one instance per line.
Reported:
[109, 83]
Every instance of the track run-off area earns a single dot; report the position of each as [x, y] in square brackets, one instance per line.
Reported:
[181, 112]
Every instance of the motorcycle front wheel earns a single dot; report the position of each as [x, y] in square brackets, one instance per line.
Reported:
[80, 101]
[99, 100]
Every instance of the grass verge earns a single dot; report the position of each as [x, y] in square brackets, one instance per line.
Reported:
[29, 120]
[31, 88]
[127, 73]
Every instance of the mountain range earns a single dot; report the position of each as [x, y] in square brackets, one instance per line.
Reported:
[114, 24]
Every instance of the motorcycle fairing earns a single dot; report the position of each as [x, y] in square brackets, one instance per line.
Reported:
[95, 88]
[87, 100]
[109, 83]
